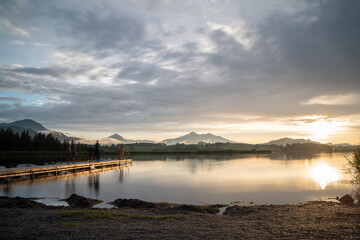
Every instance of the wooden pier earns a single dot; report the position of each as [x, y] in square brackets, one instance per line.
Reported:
[59, 169]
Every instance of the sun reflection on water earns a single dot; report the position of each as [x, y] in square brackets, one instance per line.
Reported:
[323, 174]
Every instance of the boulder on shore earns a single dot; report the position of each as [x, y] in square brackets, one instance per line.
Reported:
[79, 201]
[213, 209]
[18, 202]
[346, 199]
[132, 203]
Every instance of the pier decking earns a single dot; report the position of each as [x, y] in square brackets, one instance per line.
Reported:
[35, 171]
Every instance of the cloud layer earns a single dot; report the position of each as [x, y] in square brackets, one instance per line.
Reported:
[168, 66]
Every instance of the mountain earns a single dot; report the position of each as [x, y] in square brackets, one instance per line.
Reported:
[34, 127]
[61, 136]
[119, 139]
[284, 141]
[194, 138]
[19, 130]
[24, 125]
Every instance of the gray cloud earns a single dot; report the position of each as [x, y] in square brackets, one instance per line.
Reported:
[154, 63]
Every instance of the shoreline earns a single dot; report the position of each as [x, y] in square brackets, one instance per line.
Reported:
[24, 218]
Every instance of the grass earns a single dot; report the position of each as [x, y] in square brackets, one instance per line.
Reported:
[67, 224]
[114, 215]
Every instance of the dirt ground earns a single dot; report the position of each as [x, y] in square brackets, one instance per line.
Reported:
[312, 220]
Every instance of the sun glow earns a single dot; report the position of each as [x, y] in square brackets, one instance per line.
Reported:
[323, 174]
[322, 129]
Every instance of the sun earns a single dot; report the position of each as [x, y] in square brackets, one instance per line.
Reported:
[322, 129]
[323, 174]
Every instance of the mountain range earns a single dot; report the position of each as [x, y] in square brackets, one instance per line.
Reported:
[24, 125]
[284, 141]
[34, 127]
[192, 138]
[123, 140]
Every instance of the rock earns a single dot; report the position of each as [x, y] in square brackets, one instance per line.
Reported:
[132, 203]
[346, 199]
[201, 209]
[238, 210]
[79, 201]
[18, 202]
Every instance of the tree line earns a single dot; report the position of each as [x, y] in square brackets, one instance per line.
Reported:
[10, 141]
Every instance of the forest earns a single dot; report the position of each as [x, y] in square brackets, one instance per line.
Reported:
[10, 141]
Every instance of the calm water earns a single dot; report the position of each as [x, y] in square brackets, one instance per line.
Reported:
[263, 179]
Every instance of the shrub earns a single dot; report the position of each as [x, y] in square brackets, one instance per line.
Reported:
[354, 170]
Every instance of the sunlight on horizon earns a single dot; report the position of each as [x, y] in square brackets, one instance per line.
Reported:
[323, 174]
[322, 129]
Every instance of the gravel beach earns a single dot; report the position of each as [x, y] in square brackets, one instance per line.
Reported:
[26, 219]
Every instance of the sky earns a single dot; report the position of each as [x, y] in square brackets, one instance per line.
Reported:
[250, 71]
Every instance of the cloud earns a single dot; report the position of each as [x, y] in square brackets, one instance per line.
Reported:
[239, 30]
[10, 28]
[349, 99]
[100, 32]
[20, 43]
[147, 65]
[37, 44]
[10, 99]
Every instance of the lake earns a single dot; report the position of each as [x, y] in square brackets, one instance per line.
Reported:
[198, 179]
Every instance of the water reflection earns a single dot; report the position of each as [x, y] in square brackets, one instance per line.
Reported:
[70, 186]
[193, 179]
[94, 182]
[323, 174]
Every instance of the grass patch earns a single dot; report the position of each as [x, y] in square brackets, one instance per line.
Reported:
[104, 214]
[67, 224]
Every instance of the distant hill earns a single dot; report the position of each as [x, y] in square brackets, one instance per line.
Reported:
[117, 139]
[19, 130]
[284, 141]
[61, 136]
[194, 138]
[23, 125]
[34, 127]
[308, 148]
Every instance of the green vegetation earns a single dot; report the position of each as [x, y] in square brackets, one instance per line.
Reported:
[115, 215]
[160, 148]
[354, 170]
[68, 224]
[354, 162]
[223, 148]
[40, 142]
[307, 147]
[13, 142]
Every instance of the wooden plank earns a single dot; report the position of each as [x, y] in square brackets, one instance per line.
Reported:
[68, 167]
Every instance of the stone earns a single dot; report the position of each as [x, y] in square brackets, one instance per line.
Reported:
[18, 202]
[346, 199]
[213, 209]
[79, 201]
[132, 203]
